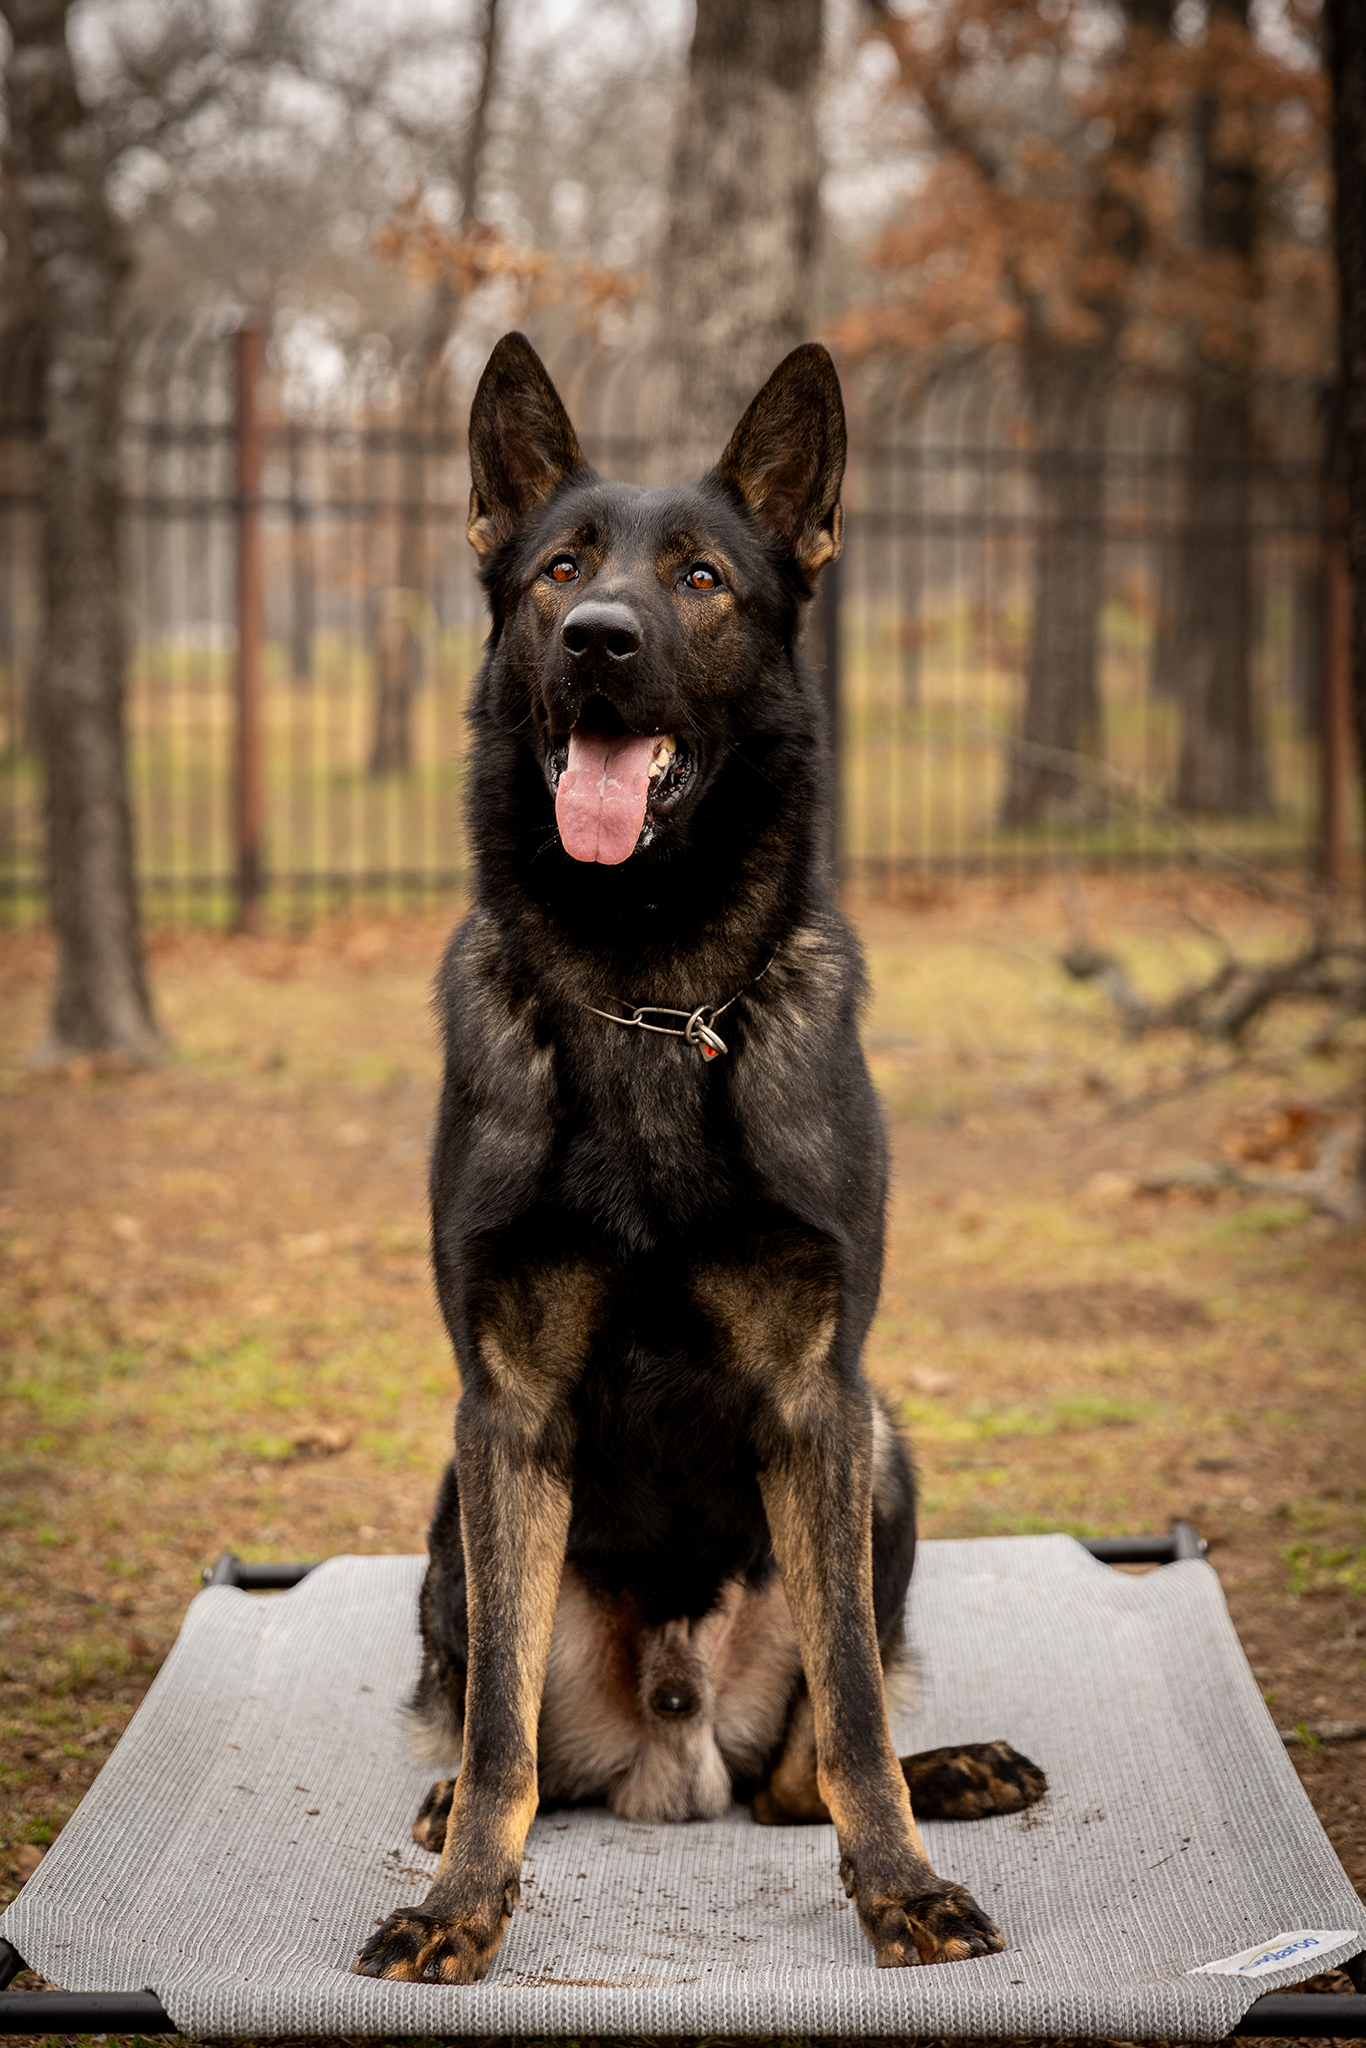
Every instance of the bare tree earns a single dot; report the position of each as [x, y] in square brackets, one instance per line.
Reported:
[397, 647]
[68, 259]
[1048, 236]
[192, 89]
[1346, 27]
[738, 263]
[1222, 763]
[1068, 390]
[57, 163]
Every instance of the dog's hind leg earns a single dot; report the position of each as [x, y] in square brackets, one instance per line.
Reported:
[433, 1816]
[792, 1796]
[968, 1781]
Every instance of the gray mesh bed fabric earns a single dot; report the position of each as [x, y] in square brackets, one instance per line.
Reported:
[1175, 1833]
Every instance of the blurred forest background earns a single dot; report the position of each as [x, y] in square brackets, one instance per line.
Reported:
[1073, 256]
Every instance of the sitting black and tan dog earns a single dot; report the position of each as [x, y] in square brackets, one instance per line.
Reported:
[669, 1561]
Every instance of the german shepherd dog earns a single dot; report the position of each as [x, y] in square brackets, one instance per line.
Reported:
[669, 1561]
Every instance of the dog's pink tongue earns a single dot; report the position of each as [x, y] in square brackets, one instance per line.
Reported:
[600, 803]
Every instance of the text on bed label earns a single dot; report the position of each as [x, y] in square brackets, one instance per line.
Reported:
[1282, 1949]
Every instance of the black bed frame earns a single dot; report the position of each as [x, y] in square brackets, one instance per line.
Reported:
[1279, 2015]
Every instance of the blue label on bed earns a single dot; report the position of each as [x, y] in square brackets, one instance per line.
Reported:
[1303, 1945]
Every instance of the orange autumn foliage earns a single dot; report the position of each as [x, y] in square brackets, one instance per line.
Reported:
[1057, 209]
[431, 253]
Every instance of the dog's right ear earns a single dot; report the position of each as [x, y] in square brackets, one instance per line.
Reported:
[521, 443]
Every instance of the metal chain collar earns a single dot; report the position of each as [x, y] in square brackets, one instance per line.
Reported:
[698, 1026]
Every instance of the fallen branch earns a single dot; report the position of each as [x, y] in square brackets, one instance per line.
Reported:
[1313, 1734]
[1330, 1188]
[1223, 1006]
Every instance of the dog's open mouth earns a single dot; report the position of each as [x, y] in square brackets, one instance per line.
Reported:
[611, 787]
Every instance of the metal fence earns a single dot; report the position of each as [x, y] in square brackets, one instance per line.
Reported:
[305, 622]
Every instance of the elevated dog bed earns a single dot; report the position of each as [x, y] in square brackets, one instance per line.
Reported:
[253, 1823]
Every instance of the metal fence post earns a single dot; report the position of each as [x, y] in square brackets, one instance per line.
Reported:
[249, 793]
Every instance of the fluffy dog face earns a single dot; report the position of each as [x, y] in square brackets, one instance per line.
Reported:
[640, 636]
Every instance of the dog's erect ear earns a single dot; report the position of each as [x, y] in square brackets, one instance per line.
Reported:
[521, 443]
[786, 457]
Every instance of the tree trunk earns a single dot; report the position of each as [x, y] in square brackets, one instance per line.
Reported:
[1067, 391]
[398, 670]
[397, 649]
[1222, 763]
[21, 411]
[55, 160]
[1067, 399]
[737, 272]
[302, 607]
[1346, 50]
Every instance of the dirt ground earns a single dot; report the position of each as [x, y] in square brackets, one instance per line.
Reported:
[218, 1328]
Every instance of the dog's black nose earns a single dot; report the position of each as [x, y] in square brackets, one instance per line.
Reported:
[675, 1698]
[598, 635]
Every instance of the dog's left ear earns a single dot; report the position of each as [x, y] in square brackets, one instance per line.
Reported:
[786, 457]
[522, 446]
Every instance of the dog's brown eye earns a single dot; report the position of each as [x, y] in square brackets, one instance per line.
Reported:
[563, 571]
[701, 577]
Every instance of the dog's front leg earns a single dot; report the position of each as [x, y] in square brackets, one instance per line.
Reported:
[514, 1516]
[817, 1492]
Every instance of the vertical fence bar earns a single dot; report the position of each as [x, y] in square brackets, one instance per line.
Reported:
[249, 794]
[1335, 739]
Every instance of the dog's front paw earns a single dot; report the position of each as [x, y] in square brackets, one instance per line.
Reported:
[941, 1924]
[419, 1946]
[970, 1780]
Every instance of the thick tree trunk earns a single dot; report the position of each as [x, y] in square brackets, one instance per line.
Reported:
[21, 408]
[303, 605]
[737, 272]
[397, 649]
[398, 670]
[1067, 391]
[1346, 41]
[102, 1003]
[1222, 764]
[1346, 26]
[1061, 723]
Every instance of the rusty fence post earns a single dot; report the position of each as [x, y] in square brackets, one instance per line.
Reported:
[249, 789]
[1335, 748]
